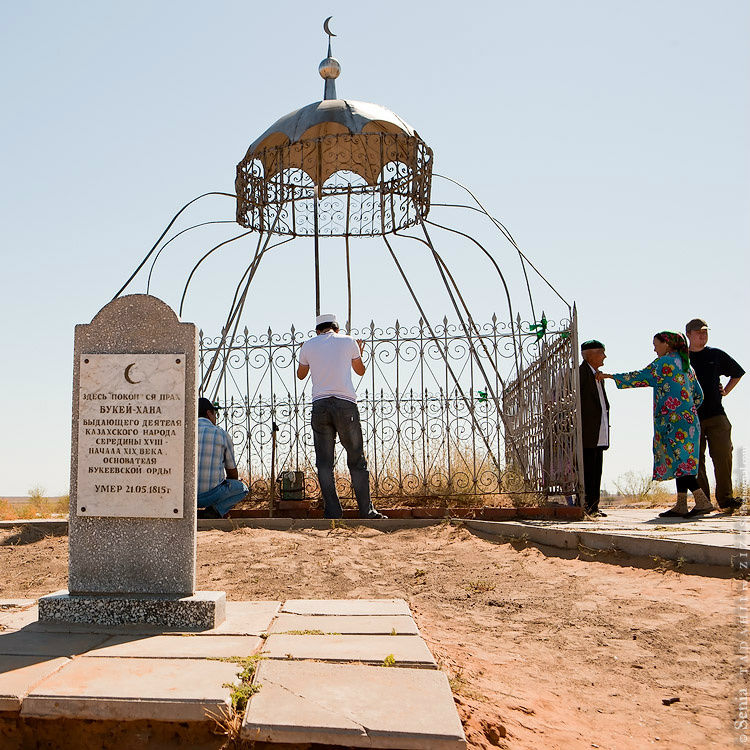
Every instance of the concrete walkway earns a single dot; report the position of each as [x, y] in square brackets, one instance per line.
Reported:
[321, 674]
[717, 539]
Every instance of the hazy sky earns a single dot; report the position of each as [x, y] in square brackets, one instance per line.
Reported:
[612, 138]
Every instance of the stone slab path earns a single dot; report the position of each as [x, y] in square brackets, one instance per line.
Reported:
[333, 672]
[716, 539]
[353, 705]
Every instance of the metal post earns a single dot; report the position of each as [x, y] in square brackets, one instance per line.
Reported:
[317, 254]
[577, 387]
[348, 289]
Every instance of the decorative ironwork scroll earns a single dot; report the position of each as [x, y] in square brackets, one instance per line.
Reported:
[342, 185]
[541, 409]
[422, 439]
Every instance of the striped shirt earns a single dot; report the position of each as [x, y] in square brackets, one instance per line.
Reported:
[215, 454]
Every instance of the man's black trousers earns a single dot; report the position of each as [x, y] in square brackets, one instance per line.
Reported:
[592, 477]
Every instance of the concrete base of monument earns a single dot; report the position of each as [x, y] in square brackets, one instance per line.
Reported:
[202, 610]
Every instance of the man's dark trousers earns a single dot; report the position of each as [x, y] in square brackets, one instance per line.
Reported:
[717, 431]
[591, 420]
[332, 416]
[592, 477]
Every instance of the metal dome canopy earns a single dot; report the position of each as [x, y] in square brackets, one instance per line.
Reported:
[335, 168]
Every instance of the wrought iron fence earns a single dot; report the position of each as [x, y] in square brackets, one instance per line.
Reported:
[430, 425]
[541, 410]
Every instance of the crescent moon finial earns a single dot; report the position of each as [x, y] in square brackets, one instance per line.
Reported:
[327, 28]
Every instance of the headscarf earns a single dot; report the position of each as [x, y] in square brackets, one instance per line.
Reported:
[678, 343]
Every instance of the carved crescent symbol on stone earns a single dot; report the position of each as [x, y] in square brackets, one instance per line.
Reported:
[326, 28]
[127, 374]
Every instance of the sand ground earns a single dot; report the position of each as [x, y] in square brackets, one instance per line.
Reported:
[544, 648]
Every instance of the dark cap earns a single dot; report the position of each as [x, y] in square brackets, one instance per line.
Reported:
[696, 324]
[204, 405]
[592, 344]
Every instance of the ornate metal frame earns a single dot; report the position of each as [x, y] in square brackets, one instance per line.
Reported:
[423, 436]
[341, 168]
[298, 199]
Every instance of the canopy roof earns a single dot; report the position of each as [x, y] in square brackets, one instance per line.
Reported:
[354, 145]
[329, 117]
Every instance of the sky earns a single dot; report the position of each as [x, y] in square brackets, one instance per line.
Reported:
[611, 138]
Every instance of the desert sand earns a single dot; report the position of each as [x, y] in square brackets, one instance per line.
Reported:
[544, 648]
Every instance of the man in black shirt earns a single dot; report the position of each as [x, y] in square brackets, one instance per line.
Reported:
[710, 365]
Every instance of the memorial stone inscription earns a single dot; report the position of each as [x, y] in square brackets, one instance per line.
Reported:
[133, 458]
[132, 531]
[131, 435]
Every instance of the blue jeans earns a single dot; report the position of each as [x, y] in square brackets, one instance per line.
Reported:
[332, 416]
[223, 497]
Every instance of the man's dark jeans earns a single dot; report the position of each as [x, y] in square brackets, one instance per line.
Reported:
[332, 416]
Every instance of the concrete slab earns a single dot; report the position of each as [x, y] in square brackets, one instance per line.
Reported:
[708, 540]
[345, 624]
[15, 619]
[15, 604]
[247, 618]
[19, 674]
[27, 643]
[407, 650]
[133, 689]
[346, 607]
[178, 646]
[353, 705]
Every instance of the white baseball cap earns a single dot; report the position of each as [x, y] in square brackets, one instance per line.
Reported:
[326, 318]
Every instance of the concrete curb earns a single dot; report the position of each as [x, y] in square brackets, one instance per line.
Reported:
[552, 536]
[629, 544]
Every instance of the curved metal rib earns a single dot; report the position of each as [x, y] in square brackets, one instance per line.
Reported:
[236, 307]
[494, 263]
[195, 267]
[236, 311]
[523, 257]
[443, 268]
[171, 239]
[161, 237]
[443, 353]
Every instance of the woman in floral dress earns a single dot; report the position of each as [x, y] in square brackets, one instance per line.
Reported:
[677, 396]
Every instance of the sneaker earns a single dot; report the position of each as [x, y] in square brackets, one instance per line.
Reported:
[375, 516]
[209, 512]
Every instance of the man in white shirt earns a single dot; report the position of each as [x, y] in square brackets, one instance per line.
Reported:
[330, 357]
[594, 424]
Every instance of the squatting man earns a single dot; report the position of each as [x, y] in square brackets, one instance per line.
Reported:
[330, 357]
[219, 487]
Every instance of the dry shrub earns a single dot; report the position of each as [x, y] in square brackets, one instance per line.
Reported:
[7, 510]
[37, 506]
[640, 489]
[418, 489]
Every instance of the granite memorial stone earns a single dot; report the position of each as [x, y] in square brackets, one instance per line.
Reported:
[132, 523]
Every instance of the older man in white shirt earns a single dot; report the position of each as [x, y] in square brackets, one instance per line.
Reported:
[594, 423]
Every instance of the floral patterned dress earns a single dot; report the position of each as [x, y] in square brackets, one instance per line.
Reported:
[677, 396]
